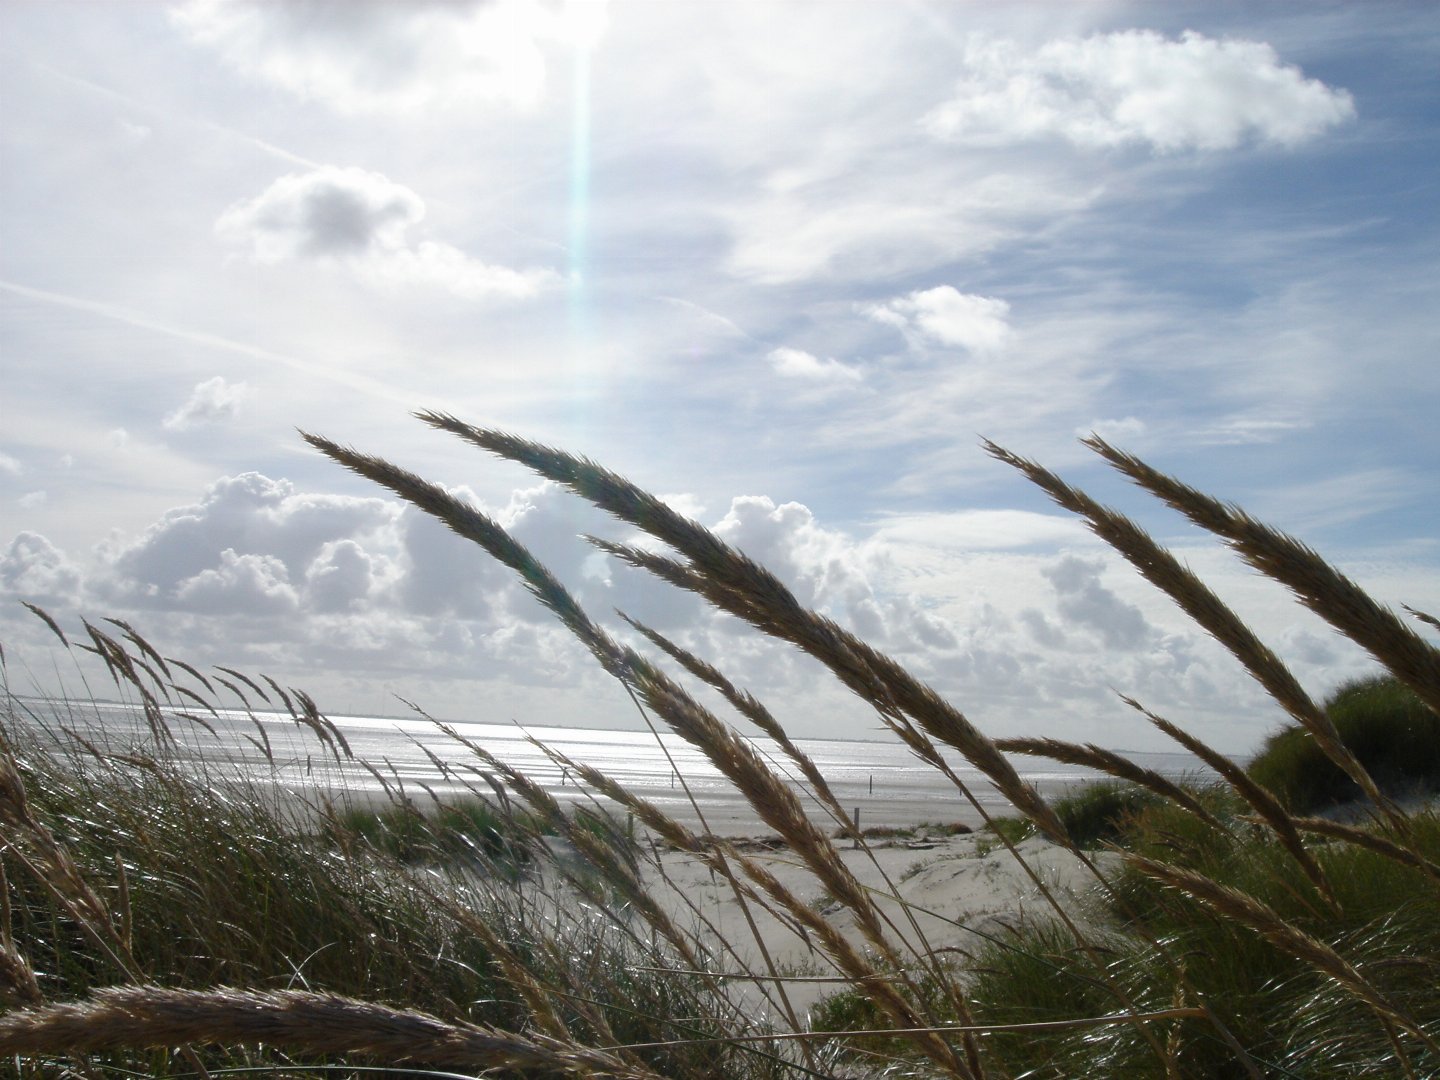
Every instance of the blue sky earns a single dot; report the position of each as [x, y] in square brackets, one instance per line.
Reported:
[784, 263]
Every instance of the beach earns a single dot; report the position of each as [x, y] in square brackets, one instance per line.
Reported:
[941, 894]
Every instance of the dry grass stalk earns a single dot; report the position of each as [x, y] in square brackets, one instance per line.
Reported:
[1318, 585]
[1159, 567]
[744, 588]
[18, 985]
[1264, 804]
[753, 710]
[540, 800]
[1366, 838]
[123, 1018]
[771, 798]
[52, 866]
[1261, 918]
[721, 857]
[748, 706]
[1429, 620]
[1091, 756]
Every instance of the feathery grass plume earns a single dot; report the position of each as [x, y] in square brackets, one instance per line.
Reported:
[1263, 920]
[242, 677]
[746, 589]
[881, 698]
[1159, 567]
[748, 706]
[1365, 838]
[549, 809]
[44, 617]
[18, 984]
[121, 1018]
[122, 670]
[735, 583]
[753, 710]
[775, 803]
[1264, 804]
[1318, 585]
[1091, 756]
[141, 644]
[1430, 620]
[193, 672]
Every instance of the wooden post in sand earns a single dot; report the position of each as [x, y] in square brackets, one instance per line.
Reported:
[856, 842]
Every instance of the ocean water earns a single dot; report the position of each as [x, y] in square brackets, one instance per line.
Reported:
[881, 778]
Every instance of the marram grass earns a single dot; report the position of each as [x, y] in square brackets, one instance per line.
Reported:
[163, 916]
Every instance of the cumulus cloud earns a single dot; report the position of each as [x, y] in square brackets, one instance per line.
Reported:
[9, 466]
[376, 56]
[1136, 87]
[34, 569]
[33, 500]
[364, 220]
[798, 364]
[248, 534]
[211, 401]
[1084, 601]
[829, 571]
[241, 585]
[945, 315]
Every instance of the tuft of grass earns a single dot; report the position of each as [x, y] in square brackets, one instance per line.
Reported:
[471, 829]
[1384, 724]
[1100, 813]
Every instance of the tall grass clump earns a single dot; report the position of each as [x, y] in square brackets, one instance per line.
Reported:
[1382, 722]
[1229, 931]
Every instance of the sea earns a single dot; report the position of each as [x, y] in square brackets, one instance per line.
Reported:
[372, 757]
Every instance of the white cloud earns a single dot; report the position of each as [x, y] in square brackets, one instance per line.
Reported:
[978, 324]
[210, 402]
[364, 220]
[341, 578]
[34, 569]
[1084, 601]
[1136, 87]
[328, 211]
[10, 466]
[241, 585]
[1115, 431]
[184, 556]
[376, 56]
[32, 500]
[798, 364]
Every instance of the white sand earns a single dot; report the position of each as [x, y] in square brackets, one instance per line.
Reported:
[955, 894]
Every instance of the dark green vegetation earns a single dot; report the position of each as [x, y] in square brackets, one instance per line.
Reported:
[449, 831]
[1383, 723]
[1238, 937]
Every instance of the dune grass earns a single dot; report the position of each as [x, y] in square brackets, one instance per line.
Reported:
[1382, 722]
[162, 916]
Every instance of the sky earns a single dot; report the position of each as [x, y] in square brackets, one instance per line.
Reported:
[785, 264]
